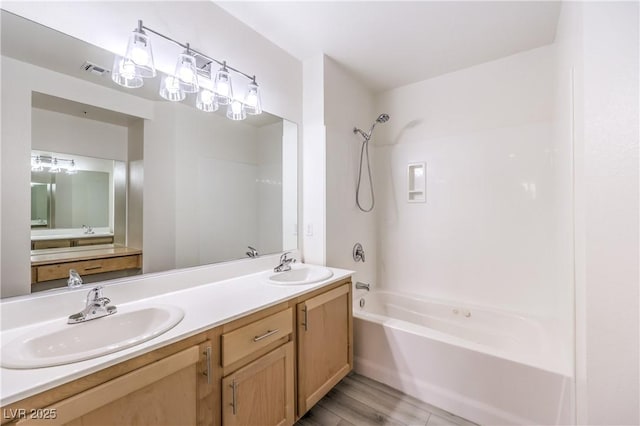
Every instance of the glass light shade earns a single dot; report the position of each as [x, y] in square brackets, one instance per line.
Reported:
[252, 102]
[71, 170]
[36, 164]
[206, 101]
[55, 168]
[170, 89]
[186, 73]
[124, 73]
[140, 54]
[222, 87]
[235, 111]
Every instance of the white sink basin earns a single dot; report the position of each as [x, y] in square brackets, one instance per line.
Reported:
[301, 274]
[61, 343]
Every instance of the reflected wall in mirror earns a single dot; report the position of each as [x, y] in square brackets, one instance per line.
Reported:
[63, 200]
[199, 188]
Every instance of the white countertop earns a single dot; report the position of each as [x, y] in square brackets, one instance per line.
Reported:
[205, 306]
[68, 233]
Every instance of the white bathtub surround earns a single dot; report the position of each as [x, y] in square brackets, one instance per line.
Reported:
[487, 365]
[487, 233]
[209, 296]
[495, 232]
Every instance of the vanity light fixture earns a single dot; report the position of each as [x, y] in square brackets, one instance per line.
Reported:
[222, 86]
[36, 164]
[252, 102]
[186, 72]
[235, 111]
[170, 89]
[71, 169]
[137, 64]
[55, 168]
[206, 100]
[53, 164]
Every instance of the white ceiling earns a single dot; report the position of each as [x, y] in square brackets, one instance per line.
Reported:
[387, 44]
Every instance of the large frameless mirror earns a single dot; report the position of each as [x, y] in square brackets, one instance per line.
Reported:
[187, 187]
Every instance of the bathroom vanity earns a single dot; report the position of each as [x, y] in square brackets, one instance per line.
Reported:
[266, 359]
[51, 264]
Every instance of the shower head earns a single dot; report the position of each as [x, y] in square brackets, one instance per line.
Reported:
[382, 118]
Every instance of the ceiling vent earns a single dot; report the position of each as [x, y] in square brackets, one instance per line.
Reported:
[94, 69]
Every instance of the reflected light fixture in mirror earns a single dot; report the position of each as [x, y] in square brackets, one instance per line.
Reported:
[53, 164]
[137, 64]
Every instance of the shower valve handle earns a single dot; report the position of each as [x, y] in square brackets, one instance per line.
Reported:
[358, 253]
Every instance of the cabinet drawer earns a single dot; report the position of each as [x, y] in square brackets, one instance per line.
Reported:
[93, 241]
[47, 244]
[88, 267]
[241, 342]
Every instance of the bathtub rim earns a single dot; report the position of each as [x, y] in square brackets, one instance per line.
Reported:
[563, 367]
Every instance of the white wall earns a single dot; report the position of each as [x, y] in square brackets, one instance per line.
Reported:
[269, 146]
[290, 188]
[487, 233]
[214, 217]
[348, 104]
[16, 153]
[602, 41]
[313, 163]
[64, 133]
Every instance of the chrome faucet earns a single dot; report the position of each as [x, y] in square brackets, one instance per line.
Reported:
[285, 263]
[252, 252]
[75, 280]
[88, 229]
[97, 306]
[362, 286]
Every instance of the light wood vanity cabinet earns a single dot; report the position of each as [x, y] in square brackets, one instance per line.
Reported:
[325, 344]
[168, 391]
[85, 260]
[267, 368]
[257, 361]
[261, 393]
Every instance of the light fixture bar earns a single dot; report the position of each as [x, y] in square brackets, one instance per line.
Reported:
[54, 164]
[194, 51]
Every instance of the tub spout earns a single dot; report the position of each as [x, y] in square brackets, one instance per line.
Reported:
[362, 286]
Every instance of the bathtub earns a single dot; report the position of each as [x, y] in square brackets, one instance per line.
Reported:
[489, 366]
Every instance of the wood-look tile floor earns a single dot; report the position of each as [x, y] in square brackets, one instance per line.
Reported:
[358, 400]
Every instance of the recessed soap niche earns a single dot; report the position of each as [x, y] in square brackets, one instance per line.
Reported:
[417, 182]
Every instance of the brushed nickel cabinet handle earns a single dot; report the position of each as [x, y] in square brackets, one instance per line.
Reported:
[233, 396]
[91, 268]
[207, 372]
[265, 335]
[306, 318]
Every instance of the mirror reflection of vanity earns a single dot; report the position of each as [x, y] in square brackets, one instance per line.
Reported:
[187, 188]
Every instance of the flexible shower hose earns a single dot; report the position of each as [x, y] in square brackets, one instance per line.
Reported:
[363, 149]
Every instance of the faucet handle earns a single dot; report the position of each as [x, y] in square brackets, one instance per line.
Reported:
[95, 294]
[284, 258]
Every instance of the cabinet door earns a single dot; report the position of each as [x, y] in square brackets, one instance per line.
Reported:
[324, 344]
[165, 392]
[261, 393]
